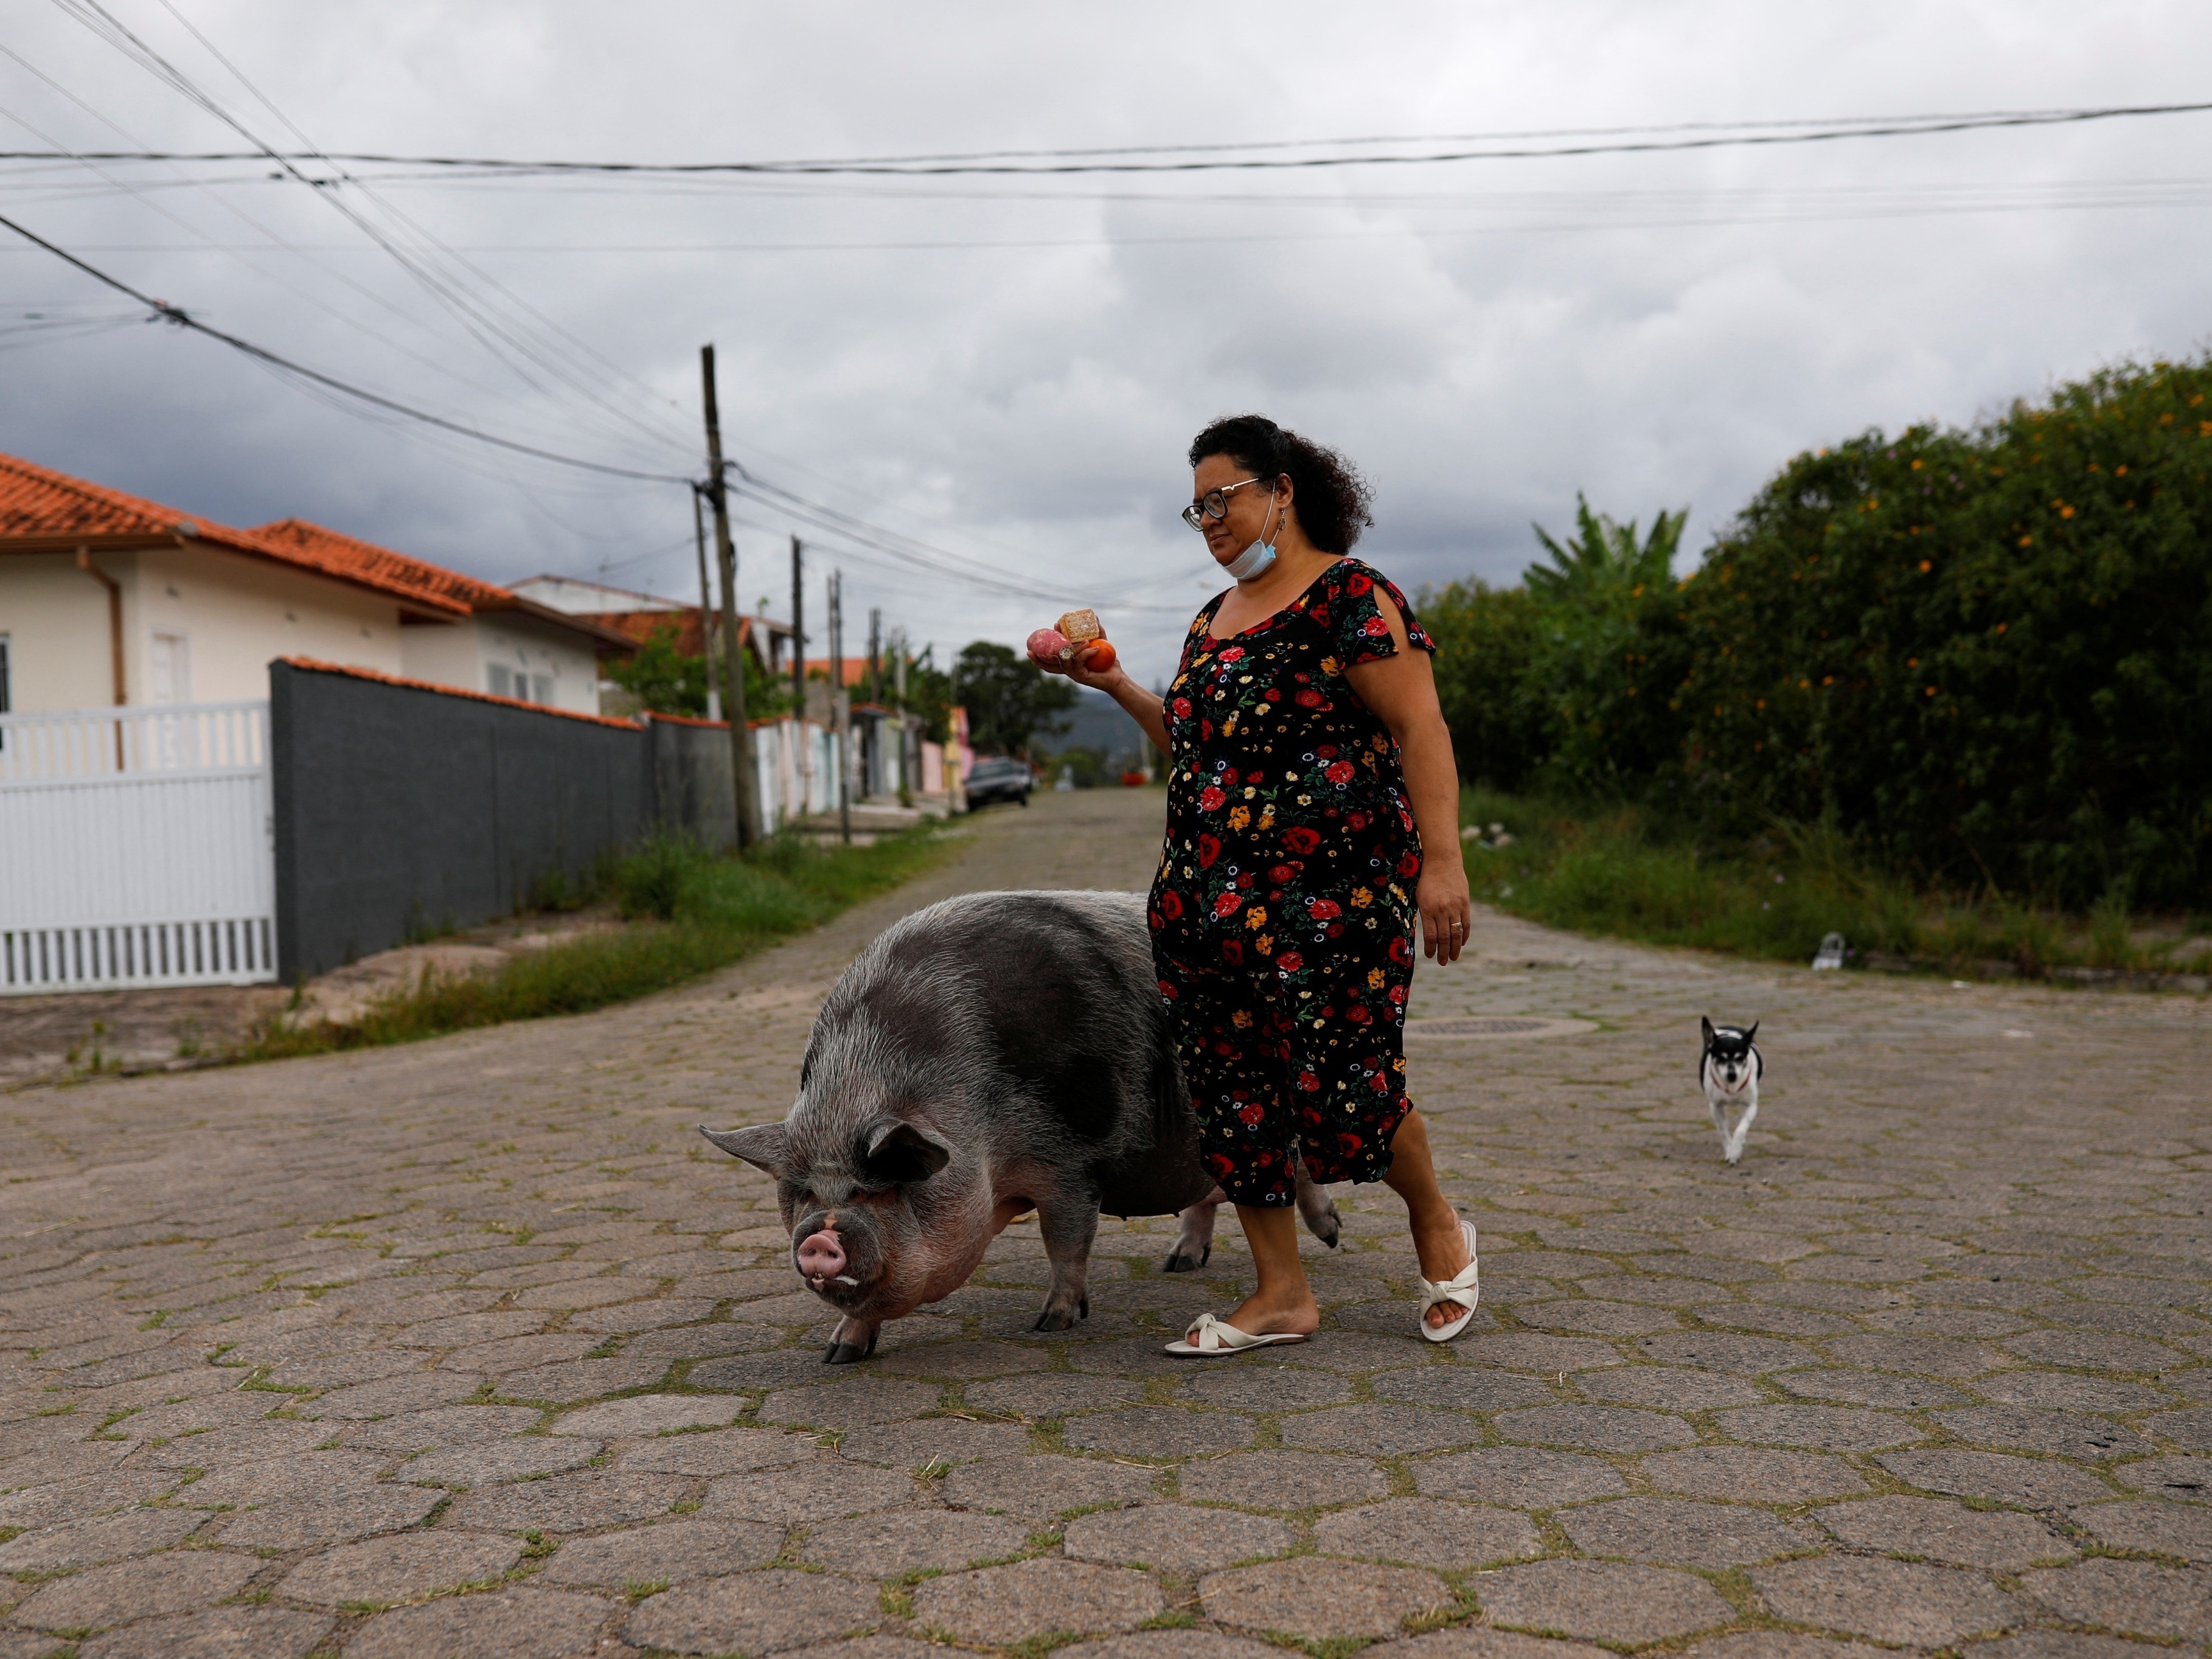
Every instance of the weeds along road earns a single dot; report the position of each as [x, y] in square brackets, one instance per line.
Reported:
[1934, 1364]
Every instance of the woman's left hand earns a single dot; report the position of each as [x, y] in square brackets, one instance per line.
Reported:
[1447, 913]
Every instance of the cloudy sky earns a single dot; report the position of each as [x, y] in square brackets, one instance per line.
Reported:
[1004, 371]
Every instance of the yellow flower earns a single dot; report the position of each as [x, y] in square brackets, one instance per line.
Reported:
[1265, 944]
[1239, 816]
[1360, 896]
[1329, 664]
[1256, 917]
[1266, 817]
[1374, 979]
[1241, 1020]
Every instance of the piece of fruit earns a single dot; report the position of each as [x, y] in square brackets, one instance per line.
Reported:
[1048, 648]
[1100, 656]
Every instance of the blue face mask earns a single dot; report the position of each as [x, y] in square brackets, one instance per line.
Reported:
[1257, 557]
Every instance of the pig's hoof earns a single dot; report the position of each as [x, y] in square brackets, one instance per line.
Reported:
[1179, 1263]
[1084, 1307]
[849, 1353]
[1049, 1321]
[1331, 1228]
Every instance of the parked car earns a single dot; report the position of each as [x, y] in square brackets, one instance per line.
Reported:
[998, 777]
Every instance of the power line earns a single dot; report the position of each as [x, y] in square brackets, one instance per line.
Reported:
[1195, 158]
[182, 318]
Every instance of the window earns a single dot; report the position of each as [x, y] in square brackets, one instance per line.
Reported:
[541, 689]
[4, 685]
[170, 676]
[503, 680]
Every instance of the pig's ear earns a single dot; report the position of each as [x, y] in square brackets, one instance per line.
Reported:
[765, 1145]
[900, 1154]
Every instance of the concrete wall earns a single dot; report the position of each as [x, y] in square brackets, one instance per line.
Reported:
[400, 810]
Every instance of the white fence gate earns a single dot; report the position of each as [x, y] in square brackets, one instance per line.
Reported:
[136, 848]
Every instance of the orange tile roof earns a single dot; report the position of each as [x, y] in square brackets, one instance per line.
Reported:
[856, 669]
[430, 584]
[42, 510]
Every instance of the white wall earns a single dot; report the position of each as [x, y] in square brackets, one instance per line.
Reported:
[231, 613]
[556, 668]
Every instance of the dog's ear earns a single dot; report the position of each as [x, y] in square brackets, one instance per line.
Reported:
[1707, 1023]
[1753, 1032]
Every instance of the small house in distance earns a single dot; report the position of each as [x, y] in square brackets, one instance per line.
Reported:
[108, 599]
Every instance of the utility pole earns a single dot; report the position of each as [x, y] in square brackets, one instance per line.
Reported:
[706, 608]
[838, 722]
[875, 654]
[802, 744]
[741, 737]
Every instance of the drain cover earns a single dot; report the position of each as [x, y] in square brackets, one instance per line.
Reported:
[1471, 1025]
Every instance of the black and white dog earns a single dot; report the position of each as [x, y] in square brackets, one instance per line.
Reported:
[1730, 1069]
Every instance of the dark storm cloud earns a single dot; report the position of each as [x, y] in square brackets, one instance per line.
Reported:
[1485, 341]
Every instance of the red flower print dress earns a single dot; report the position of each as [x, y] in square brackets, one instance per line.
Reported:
[1282, 916]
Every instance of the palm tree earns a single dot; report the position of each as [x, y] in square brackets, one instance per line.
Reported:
[1605, 561]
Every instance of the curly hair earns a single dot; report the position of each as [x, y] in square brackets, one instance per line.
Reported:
[1334, 503]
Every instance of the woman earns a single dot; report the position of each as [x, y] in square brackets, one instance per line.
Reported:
[1313, 808]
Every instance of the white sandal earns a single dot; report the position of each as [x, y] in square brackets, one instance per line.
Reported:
[1463, 1292]
[1211, 1336]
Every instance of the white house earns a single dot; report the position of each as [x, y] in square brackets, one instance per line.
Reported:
[109, 600]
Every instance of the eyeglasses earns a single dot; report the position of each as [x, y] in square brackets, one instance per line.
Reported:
[1214, 504]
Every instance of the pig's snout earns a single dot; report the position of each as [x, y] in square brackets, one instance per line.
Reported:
[822, 1257]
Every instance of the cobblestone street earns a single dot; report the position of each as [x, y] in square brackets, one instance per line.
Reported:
[473, 1347]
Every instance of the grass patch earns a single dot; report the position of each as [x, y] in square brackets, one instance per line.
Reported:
[1623, 872]
[688, 912]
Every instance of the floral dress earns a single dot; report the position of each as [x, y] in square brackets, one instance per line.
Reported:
[1282, 916]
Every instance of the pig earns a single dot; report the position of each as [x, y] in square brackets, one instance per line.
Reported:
[991, 1054]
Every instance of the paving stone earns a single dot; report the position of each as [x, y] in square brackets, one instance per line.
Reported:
[1778, 1320]
[935, 1440]
[571, 1503]
[1165, 1432]
[463, 1330]
[1521, 1477]
[1927, 1356]
[226, 1633]
[2136, 1597]
[655, 1314]
[810, 1494]
[670, 1552]
[2034, 1482]
[1598, 1318]
[1055, 1394]
[88, 1543]
[1713, 1536]
[447, 1426]
[1481, 1642]
[582, 1379]
[963, 1361]
[901, 1540]
[1383, 1431]
[493, 1461]
[411, 1392]
[1467, 1388]
[2181, 1530]
[519, 1353]
[1137, 1357]
[722, 1452]
[881, 1647]
[2062, 1645]
[1671, 1389]
[243, 1444]
[1318, 1597]
[1604, 1600]
[771, 1367]
[1427, 1532]
[2062, 1434]
[587, 1293]
[2066, 1391]
[847, 1404]
[271, 1480]
[1824, 1427]
[181, 1581]
[1279, 1388]
[1871, 1388]
[1791, 1644]
[333, 1517]
[406, 1568]
[62, 1501]
[1174, 1538]
[516, 1623]
[2001, 1540]
[1722, 1351]
[1139, 1644]
[1897, 1602]
[2192, 1428]
[2186, 1479]
[2092, 1351]
[1012, 1603]
[645, 1415]
[1737, 1471]
[1597, 1428]
[1282, 1480]
[1040, 1487]
[1526, 1351]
